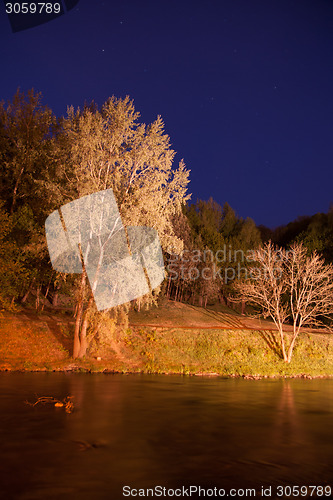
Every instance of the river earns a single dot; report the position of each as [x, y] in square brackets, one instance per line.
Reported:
[144, 431]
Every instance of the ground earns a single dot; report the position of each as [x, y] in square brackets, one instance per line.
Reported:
[171, 338]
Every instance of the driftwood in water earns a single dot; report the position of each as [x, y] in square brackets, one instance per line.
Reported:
[66, 403]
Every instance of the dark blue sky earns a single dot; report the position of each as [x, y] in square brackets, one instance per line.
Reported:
[245, 88]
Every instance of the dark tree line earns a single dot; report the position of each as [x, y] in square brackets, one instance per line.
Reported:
[216, 245]
[315, 232]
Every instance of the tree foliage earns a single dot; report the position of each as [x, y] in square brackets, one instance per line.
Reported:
[25, 138]
[110, 149]
[26, 144]
[216, 233]
[13, 273]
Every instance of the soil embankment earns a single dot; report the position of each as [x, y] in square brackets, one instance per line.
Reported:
[173, 338]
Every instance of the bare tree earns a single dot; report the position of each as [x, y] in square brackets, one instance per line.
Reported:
[289, 286]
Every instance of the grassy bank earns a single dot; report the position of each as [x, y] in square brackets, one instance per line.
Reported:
[44, 343]
[228, 352]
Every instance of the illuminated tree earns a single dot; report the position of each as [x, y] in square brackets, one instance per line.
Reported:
[109, 149]
[289, 285]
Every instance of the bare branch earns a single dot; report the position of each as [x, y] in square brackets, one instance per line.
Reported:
[290, 285]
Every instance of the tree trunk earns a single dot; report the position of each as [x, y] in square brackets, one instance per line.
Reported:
[55, 299]
[27, 293]
[285, 357]
[55, 296]
[47, 292]
[168, 288]
[76, 346]
[83, 333]
[291, 348]
[37, 296]
[15, 190]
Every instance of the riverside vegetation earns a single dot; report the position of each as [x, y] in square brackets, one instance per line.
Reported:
[47, 161]
[43, 344]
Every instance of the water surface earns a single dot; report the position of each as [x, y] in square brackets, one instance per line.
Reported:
[143, 431]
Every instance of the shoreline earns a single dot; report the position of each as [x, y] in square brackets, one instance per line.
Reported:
[86, 371]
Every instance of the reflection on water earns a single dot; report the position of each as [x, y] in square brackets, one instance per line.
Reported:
[144, 431]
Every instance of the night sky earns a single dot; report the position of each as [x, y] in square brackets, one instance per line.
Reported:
[245, 88]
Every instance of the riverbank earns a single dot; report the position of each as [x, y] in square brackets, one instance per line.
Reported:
[31, 342]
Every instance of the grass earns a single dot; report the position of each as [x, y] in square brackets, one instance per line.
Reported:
[228, 353]
[36, 344]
